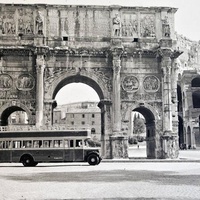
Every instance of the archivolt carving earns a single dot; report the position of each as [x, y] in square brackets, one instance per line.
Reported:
[151, 108]
[18, 104]
[97, 76]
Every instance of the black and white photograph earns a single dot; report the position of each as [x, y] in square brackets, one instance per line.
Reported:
[100, 100]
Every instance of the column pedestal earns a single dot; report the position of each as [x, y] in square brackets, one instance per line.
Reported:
[119, 146]
[170, 146]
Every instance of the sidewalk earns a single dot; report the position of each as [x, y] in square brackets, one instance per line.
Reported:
[139, 155]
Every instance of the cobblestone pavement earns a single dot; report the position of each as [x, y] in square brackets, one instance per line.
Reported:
[132, 180]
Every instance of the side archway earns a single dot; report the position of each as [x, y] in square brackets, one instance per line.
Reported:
[7, 109]
[150, 118]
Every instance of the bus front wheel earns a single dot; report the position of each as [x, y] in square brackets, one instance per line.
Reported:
[93, 159]
[28, 161]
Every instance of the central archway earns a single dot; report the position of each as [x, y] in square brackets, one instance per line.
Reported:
[100, 87]
[79, 79]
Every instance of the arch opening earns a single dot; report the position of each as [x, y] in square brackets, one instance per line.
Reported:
[14, 115]
[196, 82]
[79, 79]
[147, 147]
[196, 99]
[77, 105]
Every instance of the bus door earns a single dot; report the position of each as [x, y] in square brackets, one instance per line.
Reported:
[78, 150]
[5, 151]
[68, 150]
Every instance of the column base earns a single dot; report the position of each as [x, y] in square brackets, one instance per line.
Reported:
[118, 146]
[170, 147]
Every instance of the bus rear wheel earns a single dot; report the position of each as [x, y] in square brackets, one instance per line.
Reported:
[93, 159]
[28, 161]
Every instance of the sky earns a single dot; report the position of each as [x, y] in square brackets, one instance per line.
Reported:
[187, 23]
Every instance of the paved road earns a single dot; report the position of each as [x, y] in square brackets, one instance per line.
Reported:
[132, 180]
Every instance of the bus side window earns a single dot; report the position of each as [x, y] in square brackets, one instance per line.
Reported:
[66, 143]
[27, 144]
[58, 143]
[37, 144]
[1, 144]
[6, 144]
[17, 144]
[79, 143]
[47, 143]
[71, 142]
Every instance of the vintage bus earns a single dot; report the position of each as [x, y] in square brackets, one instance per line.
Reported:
[33, 147]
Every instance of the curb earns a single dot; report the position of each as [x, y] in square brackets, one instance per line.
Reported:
[149, 160]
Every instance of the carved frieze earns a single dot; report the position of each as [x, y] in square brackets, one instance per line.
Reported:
[147, 25]
[25, 21]
[151, 84]
[140, 96]
[129, 25]
[25, 82]
[130, 84]
[6, 82]
[8, 23]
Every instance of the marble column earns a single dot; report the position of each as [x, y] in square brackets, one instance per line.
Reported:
[40, 65]
[167, 104]
[105, 106]
[116, 94]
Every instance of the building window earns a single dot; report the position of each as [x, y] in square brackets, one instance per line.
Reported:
[83, 115]
[93, 131]
[72, 123]
[82, 123]
[93, 116]
[93, 122]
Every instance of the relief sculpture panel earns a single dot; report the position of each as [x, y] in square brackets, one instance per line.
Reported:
[25, 21]
[8, 24]
[147, 25]
[130, 25]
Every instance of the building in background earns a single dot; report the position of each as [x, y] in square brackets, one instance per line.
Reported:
[80, 115]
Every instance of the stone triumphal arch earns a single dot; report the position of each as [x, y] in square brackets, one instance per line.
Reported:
[128, 55]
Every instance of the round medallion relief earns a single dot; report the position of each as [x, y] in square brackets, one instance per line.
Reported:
[151, 84]
[25, 82]
[130, 84]
[6, 82]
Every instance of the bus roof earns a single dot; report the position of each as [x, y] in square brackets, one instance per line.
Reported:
[45, 133]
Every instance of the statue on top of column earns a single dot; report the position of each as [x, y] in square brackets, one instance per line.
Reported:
[39, 24]
[116, 25]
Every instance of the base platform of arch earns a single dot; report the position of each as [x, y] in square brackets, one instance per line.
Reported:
[116, 147]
